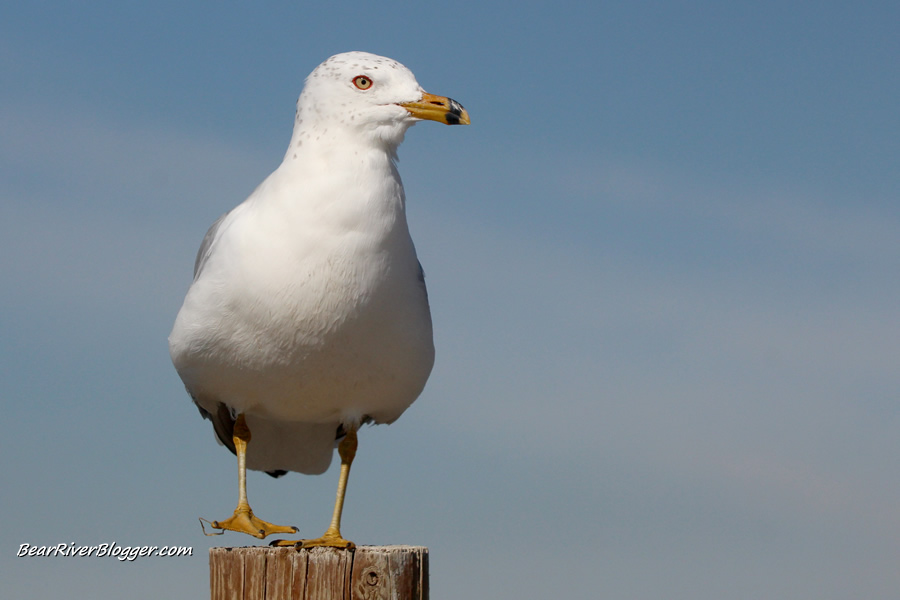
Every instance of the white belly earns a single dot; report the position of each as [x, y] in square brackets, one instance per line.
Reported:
[337, 339]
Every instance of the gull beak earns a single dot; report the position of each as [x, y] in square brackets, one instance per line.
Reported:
[438, 108]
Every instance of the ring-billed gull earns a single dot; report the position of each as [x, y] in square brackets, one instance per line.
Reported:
[308, 314]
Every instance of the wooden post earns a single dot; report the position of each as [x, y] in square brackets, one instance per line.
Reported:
[365, 573]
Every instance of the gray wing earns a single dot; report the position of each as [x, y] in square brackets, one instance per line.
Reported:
[422, 280]
[207, 244]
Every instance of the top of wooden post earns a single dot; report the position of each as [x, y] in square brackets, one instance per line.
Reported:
[363, 573]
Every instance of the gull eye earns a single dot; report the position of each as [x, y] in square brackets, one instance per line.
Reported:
[362, 82]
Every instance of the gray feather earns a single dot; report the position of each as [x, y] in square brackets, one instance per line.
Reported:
[206, 245]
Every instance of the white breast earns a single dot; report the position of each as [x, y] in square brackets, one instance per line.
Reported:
[311, 306]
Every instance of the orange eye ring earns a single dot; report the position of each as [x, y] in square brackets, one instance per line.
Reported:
[362, 82]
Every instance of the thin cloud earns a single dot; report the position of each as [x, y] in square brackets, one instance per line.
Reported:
[806, 219]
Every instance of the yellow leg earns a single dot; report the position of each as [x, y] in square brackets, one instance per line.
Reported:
[332, 536]
[243, 520]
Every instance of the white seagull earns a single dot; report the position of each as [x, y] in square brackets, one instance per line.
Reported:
[308, 314]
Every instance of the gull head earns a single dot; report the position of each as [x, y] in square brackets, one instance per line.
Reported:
[371, 97]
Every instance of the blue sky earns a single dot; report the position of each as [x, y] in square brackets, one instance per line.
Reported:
[662, 263]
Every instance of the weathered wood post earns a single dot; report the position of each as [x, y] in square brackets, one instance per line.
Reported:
[364, 573]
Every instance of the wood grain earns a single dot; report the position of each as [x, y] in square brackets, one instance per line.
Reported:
[364, 573]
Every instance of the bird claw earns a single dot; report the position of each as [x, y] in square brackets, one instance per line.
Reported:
[329, 540]
[202, 521]
[244, 521]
